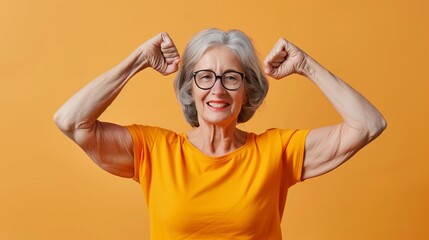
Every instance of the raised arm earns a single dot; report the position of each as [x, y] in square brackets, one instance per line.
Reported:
[328, 147]
[110, 145]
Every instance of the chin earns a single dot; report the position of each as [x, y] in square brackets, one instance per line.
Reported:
[218, 121]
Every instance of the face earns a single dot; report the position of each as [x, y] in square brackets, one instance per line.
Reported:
[217, 105]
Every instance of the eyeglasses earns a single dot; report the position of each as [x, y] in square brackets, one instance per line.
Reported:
[206, 79]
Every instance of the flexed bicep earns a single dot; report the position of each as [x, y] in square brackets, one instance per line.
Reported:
[110, 146]
[327, 148]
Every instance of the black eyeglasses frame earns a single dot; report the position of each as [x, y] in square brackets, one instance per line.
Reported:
[194, 74]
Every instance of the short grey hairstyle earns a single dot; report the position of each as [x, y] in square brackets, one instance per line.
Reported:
[256, 84]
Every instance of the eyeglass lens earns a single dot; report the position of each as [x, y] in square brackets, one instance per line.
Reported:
[206, 79]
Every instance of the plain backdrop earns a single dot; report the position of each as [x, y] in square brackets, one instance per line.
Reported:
[49, 189]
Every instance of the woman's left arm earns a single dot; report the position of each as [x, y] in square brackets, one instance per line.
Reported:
[328, 147]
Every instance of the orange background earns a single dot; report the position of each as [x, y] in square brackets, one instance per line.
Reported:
[49, 49]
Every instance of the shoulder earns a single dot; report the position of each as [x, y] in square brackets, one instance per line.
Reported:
[145, 129]
[149, 134]
[284, 137]
[283, 134]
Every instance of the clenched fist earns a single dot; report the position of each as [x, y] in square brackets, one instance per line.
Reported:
[285, 59]
[161, 54]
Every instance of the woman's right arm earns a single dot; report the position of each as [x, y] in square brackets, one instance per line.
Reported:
[109, 145]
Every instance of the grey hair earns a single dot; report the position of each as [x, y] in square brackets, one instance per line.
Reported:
[256, 83]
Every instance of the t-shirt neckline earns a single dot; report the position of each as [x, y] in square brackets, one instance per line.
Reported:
[222, 158]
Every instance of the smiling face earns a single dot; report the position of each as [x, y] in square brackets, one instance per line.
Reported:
[217, 105]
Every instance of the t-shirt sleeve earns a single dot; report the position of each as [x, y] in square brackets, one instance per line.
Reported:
[294, 153]
[143, 140]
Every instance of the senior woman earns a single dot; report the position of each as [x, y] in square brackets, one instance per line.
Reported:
[216, 181]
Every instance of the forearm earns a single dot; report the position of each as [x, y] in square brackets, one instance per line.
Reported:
[83, 109]
[356, 111]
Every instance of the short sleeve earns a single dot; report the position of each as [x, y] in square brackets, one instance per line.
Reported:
[294, 153]
[143, 141]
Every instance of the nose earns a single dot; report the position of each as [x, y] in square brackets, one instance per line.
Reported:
[218, 87]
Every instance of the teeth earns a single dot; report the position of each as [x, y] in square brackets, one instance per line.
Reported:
[217, 105]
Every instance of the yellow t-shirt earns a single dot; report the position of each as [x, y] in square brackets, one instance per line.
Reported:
[237, 196]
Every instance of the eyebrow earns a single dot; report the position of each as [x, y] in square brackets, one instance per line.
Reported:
[232, 70]
[226, 70]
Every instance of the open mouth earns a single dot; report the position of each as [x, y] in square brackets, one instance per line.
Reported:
[218, 104]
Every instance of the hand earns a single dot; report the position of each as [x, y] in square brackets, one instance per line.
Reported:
[285, 59]
[161, 54]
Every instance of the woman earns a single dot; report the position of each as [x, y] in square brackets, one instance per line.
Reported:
[217, 181]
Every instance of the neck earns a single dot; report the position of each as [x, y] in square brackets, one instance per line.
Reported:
[217, 140]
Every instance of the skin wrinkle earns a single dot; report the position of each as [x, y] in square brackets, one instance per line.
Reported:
[77, 117]
[301, 154]
[217, 134]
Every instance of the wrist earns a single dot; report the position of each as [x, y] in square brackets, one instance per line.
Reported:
[311, 68]
[308, 67]
[131, 65]
[141, 61]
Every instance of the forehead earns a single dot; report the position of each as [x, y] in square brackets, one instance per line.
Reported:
[219, 58]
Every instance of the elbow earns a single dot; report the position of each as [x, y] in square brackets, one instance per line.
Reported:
[57, 120]
[383, 125]
[377, 127]
[62, 123]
